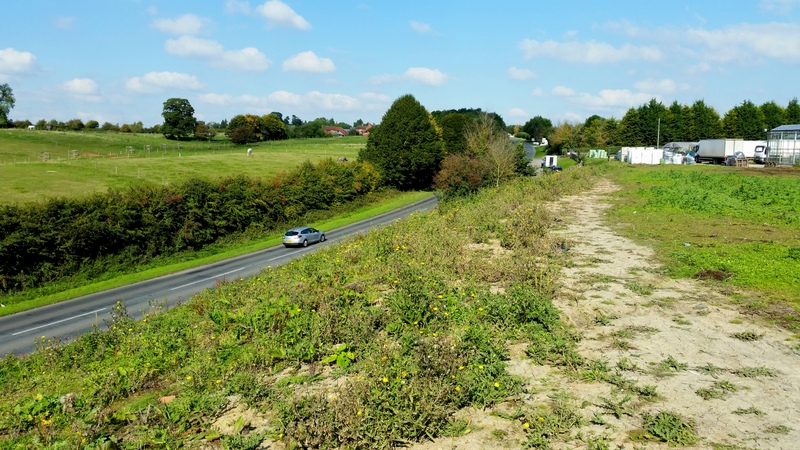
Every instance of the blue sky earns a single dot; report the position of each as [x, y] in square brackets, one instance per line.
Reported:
[118, 61]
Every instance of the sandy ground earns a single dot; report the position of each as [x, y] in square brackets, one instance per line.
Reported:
[640, 322]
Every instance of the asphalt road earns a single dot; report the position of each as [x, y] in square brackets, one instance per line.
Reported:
[67, 320]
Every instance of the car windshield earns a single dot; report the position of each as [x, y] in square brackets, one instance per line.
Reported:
[292, 233]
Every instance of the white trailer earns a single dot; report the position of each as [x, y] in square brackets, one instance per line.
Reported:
[716, 150]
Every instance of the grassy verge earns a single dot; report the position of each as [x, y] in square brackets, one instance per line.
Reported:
[372, 343]
[738, 227]
[53, 294]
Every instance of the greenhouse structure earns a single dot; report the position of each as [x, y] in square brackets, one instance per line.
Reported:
[783, 146]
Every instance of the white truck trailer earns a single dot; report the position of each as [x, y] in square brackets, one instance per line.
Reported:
[716, 150]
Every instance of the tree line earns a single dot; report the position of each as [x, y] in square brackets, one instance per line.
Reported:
[653, 123]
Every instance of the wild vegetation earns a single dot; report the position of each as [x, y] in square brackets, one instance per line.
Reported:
[376, 342]
[371, 343]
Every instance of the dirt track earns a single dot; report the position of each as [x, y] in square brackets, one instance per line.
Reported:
[680, 336]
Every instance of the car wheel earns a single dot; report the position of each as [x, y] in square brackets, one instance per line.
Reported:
[286, 245]
[322, 238]
[305, 243]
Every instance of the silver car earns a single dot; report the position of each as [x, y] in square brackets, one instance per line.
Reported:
[302, 236]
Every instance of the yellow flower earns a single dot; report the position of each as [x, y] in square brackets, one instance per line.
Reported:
[526, 425]
[460, 367]
[458, 388]
[480, 367]
[188, 378]
[385, 380]
[540, 419]
[496, 384]
[440, 296]
[436, 308]
[359, 412]
[383, 358]
[480, 309]
[219, 381]
[39, 397]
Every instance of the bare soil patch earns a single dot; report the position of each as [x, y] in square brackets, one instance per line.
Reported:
[735, 376]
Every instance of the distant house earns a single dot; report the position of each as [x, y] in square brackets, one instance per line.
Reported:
[335, 131]
[31, 127]
[363, 130]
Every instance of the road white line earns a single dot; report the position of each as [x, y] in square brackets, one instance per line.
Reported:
[58, 321]
[209, 278]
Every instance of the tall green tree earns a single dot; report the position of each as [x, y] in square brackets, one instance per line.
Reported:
[652, 117]
[179, 121]
[6, 104]
[273, 128]
[630, 130]
[675, 127]
[774, 115]
[704, 122]
[405, 147]
[746, 121]
[793, 112]
[454, 127]
[538, 128]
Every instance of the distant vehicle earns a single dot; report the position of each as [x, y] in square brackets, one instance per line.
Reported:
[760, 153]
[717, 150]
[302, 236]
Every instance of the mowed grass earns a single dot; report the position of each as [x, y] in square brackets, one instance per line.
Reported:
[739, 227]
[105, 161]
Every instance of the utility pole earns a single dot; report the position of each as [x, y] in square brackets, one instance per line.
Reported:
[658, 134]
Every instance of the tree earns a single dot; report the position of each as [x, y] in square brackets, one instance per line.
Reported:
[273, 128]
[774, 115]
[744, 121]
[793, 112]
[630, 130]
[538, 128]
[704, 122]
[487, 141]
[179, 121]
[6, 104]
[405, 147]
[92, 125]
[75, 125]
[454, 126]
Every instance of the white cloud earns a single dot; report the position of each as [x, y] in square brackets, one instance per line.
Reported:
[315, 100]
[606, 100]
[309, 62]
[82, 89]
[420, 27]
[384, 79]
[160, 81]
[80, 86]
[65, 23]
[248, 59]
[278, 13]
[15, 62]
[588, 52]
[748, 42]
[237, 7]
[663, 86]
[515, 73]
[517, 113]
[537, 92]
[563, 91]
[192, 46]
[778, 6]
[185, 24]
[374, 97]
[431, 77]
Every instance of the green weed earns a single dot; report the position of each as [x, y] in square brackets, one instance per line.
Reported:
[748, 336]
[670, 428]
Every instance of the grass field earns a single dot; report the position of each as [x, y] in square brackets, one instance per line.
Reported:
[740, 227]
[81, 163]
